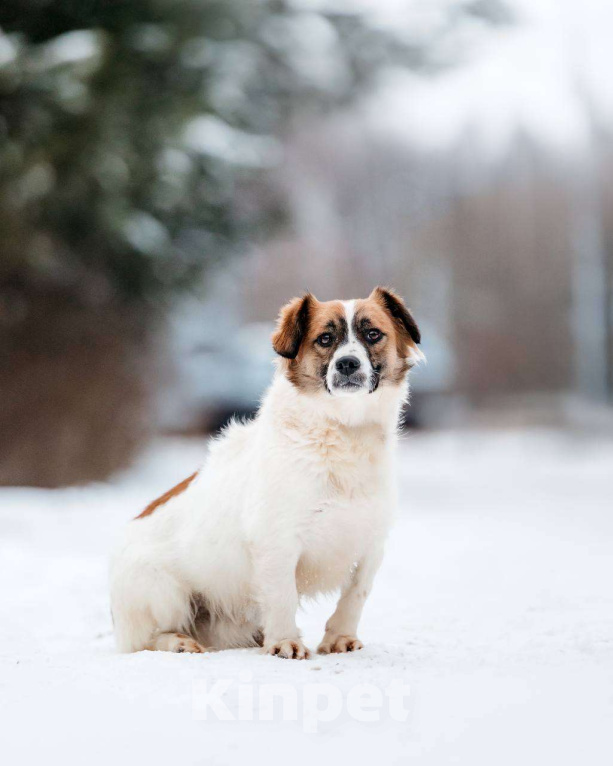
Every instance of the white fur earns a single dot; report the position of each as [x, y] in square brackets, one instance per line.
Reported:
[351, 347]
[294, 503]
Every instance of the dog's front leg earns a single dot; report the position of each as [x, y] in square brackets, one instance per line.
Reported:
[342, 627]
[275, 575]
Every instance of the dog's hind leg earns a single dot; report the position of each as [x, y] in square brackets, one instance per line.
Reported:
[151, 608]
[175, 642]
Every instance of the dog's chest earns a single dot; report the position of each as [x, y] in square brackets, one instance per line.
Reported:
[349, 506]
[351, 462]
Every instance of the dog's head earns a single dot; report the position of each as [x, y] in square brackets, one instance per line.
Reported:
[346, 348]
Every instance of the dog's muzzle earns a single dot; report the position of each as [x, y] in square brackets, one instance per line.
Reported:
[348, 375]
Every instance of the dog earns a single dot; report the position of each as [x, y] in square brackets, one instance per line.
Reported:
[294, 503]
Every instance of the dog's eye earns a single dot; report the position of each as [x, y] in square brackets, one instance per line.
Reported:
[325, 339]
[374, 335]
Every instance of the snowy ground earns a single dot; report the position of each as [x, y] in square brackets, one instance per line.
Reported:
[494, 607]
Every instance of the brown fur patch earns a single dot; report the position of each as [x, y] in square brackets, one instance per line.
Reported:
[176, 490]
[401, 315]
[292, 326]
[306, 368]
[390, 354]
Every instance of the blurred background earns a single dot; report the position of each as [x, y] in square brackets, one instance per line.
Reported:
[172, 171]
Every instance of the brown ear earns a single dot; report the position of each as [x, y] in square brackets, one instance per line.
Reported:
[400, 313]
[292, 326]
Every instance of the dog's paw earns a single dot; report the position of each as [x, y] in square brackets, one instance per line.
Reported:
[176, 642]
[339, 645]
[289, 649]
[180, 643]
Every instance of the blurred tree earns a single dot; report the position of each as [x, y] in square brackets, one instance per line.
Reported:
[130, 131]
[127, 123]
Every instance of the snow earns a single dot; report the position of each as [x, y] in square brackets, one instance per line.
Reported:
[146, 233]
[71, 48]
[209, 135]
[8, 50]
[494, 607]
[309, 44]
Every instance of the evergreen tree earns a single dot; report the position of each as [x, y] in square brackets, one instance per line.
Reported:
[129, 124]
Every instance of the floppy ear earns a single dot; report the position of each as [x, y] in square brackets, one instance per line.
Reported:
[394, 305]
[292, 326]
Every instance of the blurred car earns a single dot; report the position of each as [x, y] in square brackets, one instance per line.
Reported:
[432, 380]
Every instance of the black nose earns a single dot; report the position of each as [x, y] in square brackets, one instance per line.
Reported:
[347, 365]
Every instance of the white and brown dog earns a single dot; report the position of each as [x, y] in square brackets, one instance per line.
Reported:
[294, 503]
